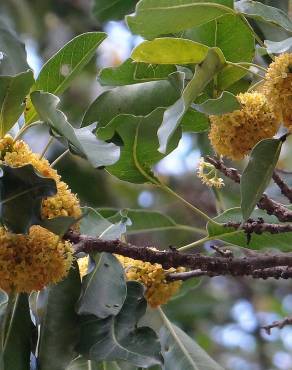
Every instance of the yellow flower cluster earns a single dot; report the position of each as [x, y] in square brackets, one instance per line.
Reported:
[30, 262]
[235, 134]
[209, 175]
[278, 88]
[153, 277]
[64, 203]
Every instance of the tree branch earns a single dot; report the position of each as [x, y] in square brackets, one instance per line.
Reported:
[273, 208]
[278, 324]
[285, 190]
[257, 266]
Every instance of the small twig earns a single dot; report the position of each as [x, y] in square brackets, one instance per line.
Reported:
[259, 227]
[188, 275]
[285, 190]
[278, 324]
[272, 207]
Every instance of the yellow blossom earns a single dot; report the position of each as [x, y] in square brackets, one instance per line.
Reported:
[153, 277]
[235, 134]
[30, 262]
[209, 175]
[64, 203]
[278, 88]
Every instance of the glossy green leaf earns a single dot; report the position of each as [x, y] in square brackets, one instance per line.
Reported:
[140, 145]
[23, 188]
[180, 351]
[264, 13]
[204, 73]
[279, 47]
[282, 241]
[94, 224]
[118, 337]
[127, 100]
[57, 74]
[59, 323]
[130, 72]
[226, 103]
[13, 90]
[170, 50]
[239, 46]
[82, 141]
[161, 17]
[194, 121]
[258, 173]
[108, 10]
[14, 55]
[103, 289]
[18, 330]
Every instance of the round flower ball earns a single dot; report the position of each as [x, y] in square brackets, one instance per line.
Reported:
[153, 277]
[278, 88]
[234, 134]
[30, 262]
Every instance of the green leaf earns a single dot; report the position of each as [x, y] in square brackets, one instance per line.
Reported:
[142, 220]
[14, 55]
[108, 10]
[94, 224]
[274, 47]
[264, 13]
[58, 225]
[57, 74]
[181, 352]
[130, 72]
[161, 17]
[265, 240]
[239, 46]
[3, 308]
[59, 324]
[17, 341]
[83, 364]
[13, 90]
[204, 73]
[127, 100]
[140, 145]
[258, 173]
[194, 121]
[118, 337]
[23, 188]
[83, 141]
[104, 289]
[170, 50]
[226, 103]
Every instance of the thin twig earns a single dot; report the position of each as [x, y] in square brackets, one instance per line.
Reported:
[285, 190]
[278, 324]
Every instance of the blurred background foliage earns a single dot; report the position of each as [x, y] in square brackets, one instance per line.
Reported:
[223, 314]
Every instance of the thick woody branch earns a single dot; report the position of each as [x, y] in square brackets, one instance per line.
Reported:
[285, 190]
[278, 324]
[259, 266]
[273, 208]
